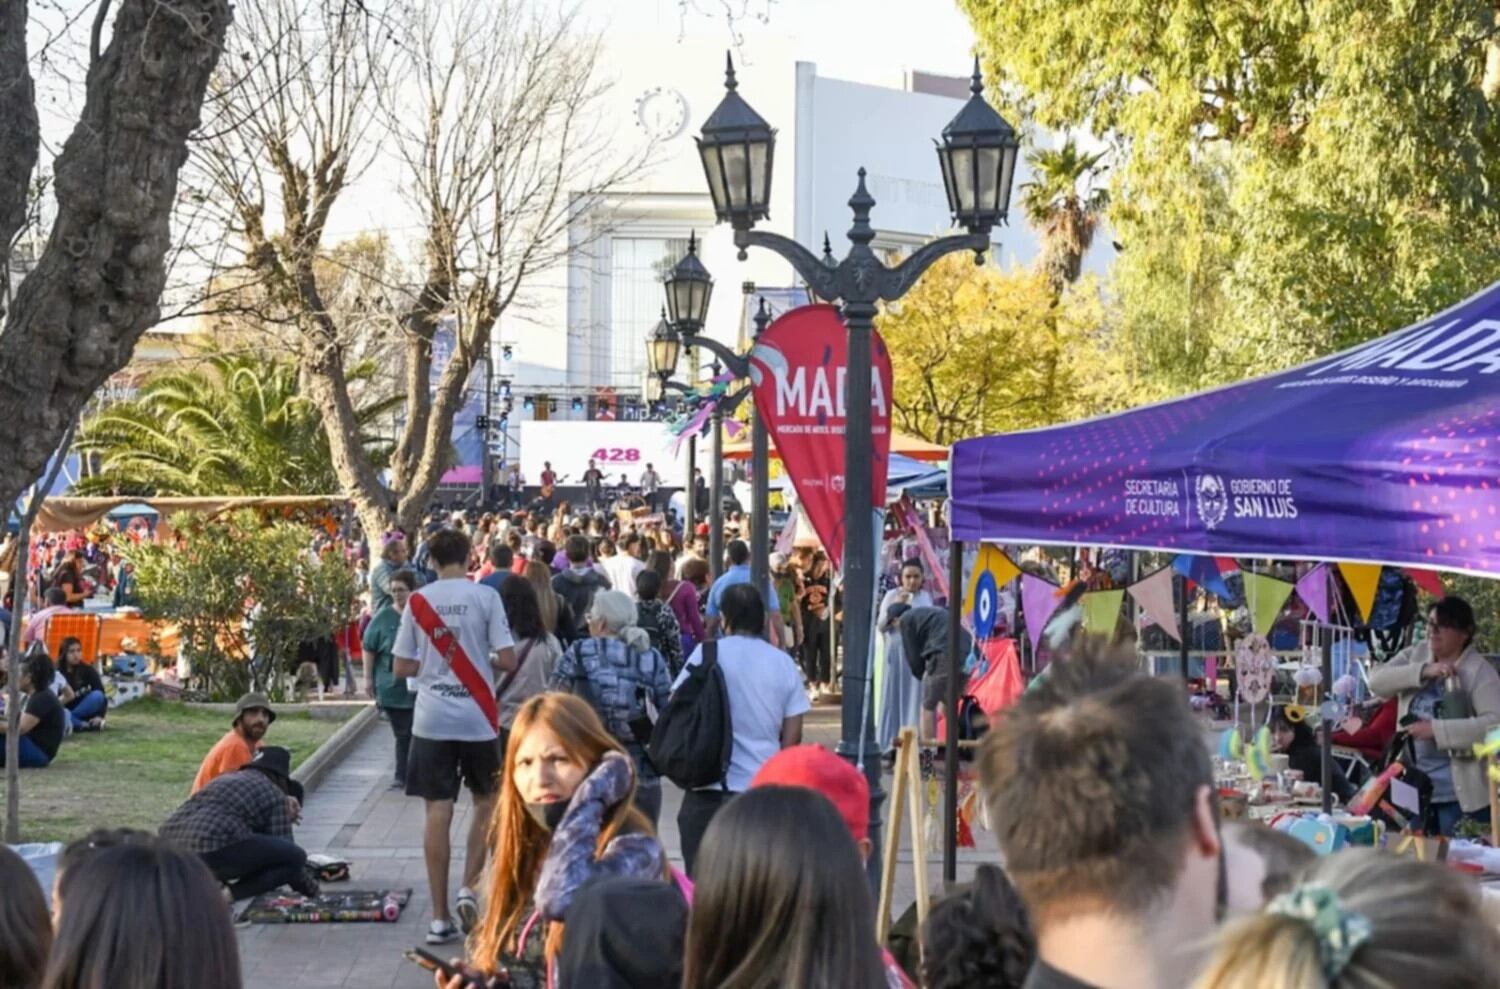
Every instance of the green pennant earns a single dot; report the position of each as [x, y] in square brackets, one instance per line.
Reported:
[1266, 596]
[1101, 609]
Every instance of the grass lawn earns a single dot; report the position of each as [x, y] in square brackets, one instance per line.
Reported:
[138, 769]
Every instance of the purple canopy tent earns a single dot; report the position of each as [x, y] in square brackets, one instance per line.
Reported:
[1387, 453]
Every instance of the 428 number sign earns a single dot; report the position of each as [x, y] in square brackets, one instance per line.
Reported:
[616, 455]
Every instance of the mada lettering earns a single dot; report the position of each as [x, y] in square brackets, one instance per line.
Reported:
[814, 392]
[1474, 348]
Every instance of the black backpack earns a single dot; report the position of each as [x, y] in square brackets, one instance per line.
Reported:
[694, 737]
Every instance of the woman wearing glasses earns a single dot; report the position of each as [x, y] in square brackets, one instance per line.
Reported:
[1449, 699]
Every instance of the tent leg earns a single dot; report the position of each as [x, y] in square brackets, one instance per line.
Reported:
[955, 672]
[1182, 629]
[1326, 637]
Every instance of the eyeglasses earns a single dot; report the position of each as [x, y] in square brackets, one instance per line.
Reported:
[1433, 626]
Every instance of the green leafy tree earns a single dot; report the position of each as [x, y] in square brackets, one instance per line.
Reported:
[228, 424]
[243, 592]
[1063, 204]
[1293, 176]
[978, 350]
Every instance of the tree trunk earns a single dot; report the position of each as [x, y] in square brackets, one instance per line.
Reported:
[97, 286]
[18, 122]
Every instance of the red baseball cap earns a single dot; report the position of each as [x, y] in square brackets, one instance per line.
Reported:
[702, 529]
[816, 768]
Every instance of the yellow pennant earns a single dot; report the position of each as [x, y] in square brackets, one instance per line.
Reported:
[1363, 580]
[992, 559]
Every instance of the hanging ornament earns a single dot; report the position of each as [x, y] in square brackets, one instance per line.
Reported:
[1256, 665]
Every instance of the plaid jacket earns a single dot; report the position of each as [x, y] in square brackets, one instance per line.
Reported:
[231, 808]
[616, 680]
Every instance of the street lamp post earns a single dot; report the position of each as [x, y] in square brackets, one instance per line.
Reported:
[716, 486]
[760, 507]
[977, 156]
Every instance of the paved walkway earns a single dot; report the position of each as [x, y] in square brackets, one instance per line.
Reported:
[354, 814]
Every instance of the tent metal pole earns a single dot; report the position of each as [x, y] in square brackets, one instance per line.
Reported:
[950, 741]
[1182, 628]
[1325, 636]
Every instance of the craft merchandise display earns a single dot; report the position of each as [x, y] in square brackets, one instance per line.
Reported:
[345, 906]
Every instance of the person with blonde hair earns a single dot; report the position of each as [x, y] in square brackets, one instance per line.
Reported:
[566, 817]
[1362, 920]
[623, 678]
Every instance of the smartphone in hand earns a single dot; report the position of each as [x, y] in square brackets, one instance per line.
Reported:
[431, 962]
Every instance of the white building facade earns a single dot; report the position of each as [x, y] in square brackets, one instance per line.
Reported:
[579, 350]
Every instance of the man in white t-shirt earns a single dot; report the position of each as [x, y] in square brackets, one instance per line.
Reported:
[766, 704]
[453, 737]
[621, 565]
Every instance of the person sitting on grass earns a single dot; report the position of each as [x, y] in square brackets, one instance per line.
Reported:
[43, 718]
[240, 824]
[89, 703]
[252, 718]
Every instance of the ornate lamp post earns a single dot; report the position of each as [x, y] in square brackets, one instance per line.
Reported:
[688, 288]
[977, 155]
[662, 350]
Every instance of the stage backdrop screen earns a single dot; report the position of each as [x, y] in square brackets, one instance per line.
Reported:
[617, 447]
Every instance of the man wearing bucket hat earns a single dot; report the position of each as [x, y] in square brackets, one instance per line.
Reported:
[240, 824]
[252, 716]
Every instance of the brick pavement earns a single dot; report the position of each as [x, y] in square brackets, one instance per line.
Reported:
[353, 814]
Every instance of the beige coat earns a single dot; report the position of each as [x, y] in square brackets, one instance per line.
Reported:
[1402, 677]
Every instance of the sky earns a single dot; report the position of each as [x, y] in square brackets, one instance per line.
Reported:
[870, 41]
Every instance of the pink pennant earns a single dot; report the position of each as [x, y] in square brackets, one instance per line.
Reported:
[1040, 600]
[733, 428]
[1313, 590]
[1154, 595]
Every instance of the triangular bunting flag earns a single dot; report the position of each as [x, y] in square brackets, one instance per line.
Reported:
[1203, 571]
[1040, 600]
[1101, 610]
[1154, 595]
[991, 560]
[1227, 564]
[1427, 580]
[1312, 588]
[1363, 580]
[1265, 596]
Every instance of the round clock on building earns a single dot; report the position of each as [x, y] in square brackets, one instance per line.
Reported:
[661, 112]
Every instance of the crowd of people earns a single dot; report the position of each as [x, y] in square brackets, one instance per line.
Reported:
[533, 662]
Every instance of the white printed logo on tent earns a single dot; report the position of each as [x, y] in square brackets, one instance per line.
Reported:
[1213, 500]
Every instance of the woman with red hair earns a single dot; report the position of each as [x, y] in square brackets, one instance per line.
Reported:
[565, 817]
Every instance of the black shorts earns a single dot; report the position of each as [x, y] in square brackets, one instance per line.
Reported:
[435, 768]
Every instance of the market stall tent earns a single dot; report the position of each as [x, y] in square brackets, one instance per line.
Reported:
[1386, 453]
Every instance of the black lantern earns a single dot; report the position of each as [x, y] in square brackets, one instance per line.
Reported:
[662, 348]
[736, 146]
[978, 154]
[689, 287]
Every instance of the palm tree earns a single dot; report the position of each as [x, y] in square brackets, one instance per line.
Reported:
[231, 424]
[1061, 202]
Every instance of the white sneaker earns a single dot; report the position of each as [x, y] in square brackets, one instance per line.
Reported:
[467, 909]
[442, 932]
